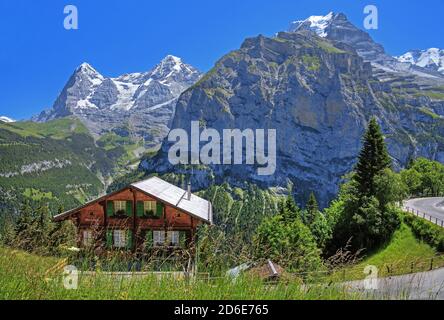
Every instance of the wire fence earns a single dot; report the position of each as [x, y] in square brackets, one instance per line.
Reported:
[348, 273]
[421, 214]
[337, 275]
[425, 216]
[361, 270]
[427, 195]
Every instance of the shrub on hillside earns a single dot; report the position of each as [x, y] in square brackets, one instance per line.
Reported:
[287, 241]
[426, 231]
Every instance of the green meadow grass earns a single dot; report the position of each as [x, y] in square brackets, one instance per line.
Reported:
[56, 129]
[402, 255]
[22, 276]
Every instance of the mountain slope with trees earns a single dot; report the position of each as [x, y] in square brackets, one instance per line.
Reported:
[57, 163]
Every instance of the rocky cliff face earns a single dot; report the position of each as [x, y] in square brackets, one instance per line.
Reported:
[138, 104]
[319, 95]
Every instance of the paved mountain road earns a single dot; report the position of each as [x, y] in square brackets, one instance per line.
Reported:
[433, 207]
[425, 285]
[418, 286]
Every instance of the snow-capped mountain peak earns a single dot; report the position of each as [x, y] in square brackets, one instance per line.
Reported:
[170, 66]
[171, 58]
[147, 100]
[6, 119]
[87, 68]
[336, 27]
[318, 24]
[432, 59]
[87, 71]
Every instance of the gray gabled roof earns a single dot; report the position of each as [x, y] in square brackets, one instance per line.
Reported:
[165, 192]
[176, 197]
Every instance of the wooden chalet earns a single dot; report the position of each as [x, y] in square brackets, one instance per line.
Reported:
[147, 215]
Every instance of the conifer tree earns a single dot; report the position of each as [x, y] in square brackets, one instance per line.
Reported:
[42, 227]
[7, 234]
[24, 228]
[368, 218]
[312, 209]
[63, 236]
[290, 210]
[373, 159]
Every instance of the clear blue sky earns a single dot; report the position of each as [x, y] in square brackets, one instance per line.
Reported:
[37, 55]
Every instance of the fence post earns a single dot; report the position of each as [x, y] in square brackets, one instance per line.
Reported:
[411, 267]
[431, 264]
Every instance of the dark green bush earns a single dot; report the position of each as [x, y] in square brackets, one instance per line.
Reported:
[426, 231]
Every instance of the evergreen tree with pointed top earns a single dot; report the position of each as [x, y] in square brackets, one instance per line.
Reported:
[24, 228]
[289, 209]
[368, 217]
[410, 162]
[7, 234]
[312, 209]
[373, 159]
[41, 227]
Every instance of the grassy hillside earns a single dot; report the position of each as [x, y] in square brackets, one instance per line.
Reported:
[57, 129]
[125, 150]
[403, 254]
[57, 162]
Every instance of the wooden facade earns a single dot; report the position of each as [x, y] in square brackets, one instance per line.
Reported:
[136, 221]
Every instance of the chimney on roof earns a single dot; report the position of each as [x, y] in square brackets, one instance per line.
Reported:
[189, 191]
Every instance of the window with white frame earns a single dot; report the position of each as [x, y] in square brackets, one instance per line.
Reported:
[119, 238]
[87, 237]
[159, 238]
[173, 238]
[119, 206]
[149, 206]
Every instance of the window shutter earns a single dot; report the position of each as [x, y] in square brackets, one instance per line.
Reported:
[182, 239]
[140, 209]
[110, 208]
[109, 238]
[129, 239]
[129, 208]
[159, 211]
[149, 241]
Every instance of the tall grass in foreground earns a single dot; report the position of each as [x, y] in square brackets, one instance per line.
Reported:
[22, 276]
[103, 287]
